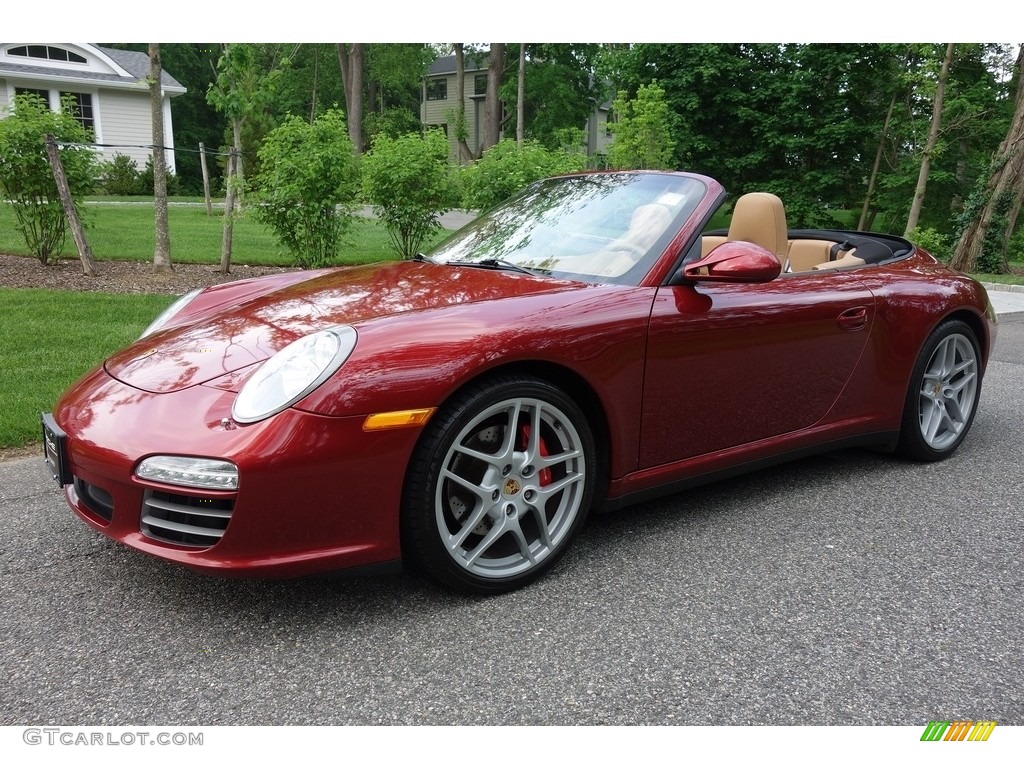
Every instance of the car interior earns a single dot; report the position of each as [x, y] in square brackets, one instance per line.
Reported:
[760, 218]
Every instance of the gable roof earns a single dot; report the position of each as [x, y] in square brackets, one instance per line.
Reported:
[445, 65]
[110, 66]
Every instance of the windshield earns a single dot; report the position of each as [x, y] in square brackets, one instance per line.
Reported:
[599, 228]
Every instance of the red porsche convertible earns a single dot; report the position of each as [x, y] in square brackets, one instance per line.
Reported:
[588, 344]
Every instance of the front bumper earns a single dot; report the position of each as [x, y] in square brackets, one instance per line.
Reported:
[315, 493]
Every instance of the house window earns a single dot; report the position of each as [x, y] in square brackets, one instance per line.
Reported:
[41, 93]
[81, 108]
[48, 52]
[479, 85]
[437, 90]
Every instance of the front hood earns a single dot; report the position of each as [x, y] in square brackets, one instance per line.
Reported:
[243, 334]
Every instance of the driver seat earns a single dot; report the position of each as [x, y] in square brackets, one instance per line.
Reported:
[760, 218]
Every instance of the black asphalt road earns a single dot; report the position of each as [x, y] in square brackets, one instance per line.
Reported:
[848, 589]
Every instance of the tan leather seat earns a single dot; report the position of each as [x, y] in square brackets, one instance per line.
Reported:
[760, 218]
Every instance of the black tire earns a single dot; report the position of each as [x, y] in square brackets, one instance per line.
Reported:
[943, 395]
[484, 508]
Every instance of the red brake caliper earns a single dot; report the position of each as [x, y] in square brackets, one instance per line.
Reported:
[544, 475]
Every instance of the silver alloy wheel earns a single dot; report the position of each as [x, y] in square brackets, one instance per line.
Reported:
[510, 487]
[948, 391]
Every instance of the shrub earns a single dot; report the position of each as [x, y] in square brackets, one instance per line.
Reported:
[26, 178]
[120, 176]
[307, 185]
[506, 168]
[408, 182]
[933, 241]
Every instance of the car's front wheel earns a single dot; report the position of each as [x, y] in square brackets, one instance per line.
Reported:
[943, 395]
[500, 482]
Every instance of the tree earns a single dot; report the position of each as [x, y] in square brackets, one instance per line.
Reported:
[351, 61]
[933, 138]
[991, 216]
[245, 89]
[559, 90]
[492, 99]
[408, 182]
[162, 247]
[195, 118]
[307, 186]
[643, 130]
[26, 178]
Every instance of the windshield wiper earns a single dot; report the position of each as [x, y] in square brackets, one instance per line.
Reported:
[494, 264]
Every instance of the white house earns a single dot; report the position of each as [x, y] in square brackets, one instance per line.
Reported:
[108, 85]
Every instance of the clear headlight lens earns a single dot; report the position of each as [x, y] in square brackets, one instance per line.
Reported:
[293, 373]
[170, 312]
[190, 471]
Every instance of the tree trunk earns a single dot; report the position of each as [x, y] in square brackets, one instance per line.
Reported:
[520, 96]
[1007, 178]
[863, 223]
[227, 234]
[350, 58]
[492, 101]
[465, 153]
[933, 139]
[162, 249]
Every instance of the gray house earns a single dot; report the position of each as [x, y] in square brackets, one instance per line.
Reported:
[109, 87]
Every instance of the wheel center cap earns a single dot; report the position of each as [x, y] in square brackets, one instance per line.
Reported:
[512, 486]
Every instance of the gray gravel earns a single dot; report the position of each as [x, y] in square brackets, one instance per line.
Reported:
[847, 589]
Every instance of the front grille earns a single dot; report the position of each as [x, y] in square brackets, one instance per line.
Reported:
[191, 521]
[95, 499]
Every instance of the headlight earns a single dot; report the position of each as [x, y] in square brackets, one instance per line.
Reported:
[293, 373]
[170, 312]
[189, 471]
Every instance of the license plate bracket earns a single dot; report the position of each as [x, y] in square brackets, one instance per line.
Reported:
[55, 450]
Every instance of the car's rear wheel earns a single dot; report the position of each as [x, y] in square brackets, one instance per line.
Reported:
[943, 395]
[501, 481]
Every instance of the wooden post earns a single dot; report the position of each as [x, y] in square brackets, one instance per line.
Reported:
[77, 231]
[229, 213]
[206, 180]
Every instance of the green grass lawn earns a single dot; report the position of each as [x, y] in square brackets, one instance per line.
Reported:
[50, 338]
[119, 230]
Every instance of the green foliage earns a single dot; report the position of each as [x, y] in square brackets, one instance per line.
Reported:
[392, 122]
[120, 176]
[146, 180]
[642, 129]
[307, 186]
[26, 178]
[936, 243]
[559, 90]
[408, 182]
[506, 168]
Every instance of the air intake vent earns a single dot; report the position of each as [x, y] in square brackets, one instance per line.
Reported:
[191, 521]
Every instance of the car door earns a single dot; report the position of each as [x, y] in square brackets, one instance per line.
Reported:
[731, 364]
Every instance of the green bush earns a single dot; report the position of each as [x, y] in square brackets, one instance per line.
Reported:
[933, 241]
[120, 176]
[408, 182]
[146, 180]
[507, 168]
[307, 186]
[26, 178]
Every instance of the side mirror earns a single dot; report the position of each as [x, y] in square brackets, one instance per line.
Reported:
[735, 262]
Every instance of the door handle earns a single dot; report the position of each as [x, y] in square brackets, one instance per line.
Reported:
[853, 319]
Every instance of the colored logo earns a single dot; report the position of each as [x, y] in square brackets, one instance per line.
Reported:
[958, 730]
